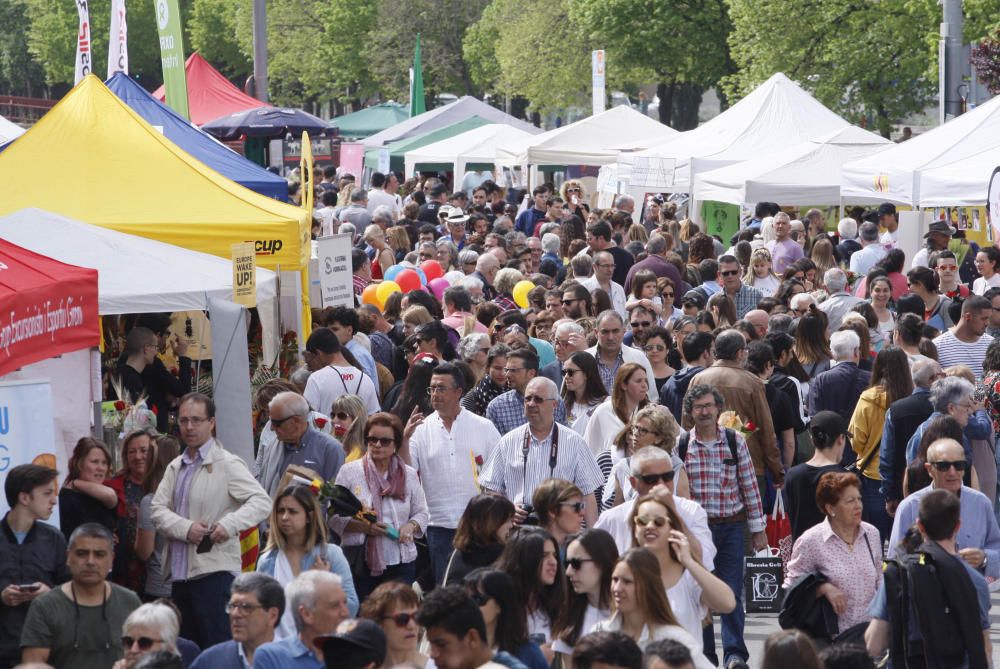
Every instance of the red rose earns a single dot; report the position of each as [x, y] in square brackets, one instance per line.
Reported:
[320, 422]
[120, 405]
[750, 427]
[479, 460]
[156, 412]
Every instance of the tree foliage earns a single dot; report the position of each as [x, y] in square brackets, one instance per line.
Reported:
[20, 73]
[222, 32]
[872, 61]
[986, 59]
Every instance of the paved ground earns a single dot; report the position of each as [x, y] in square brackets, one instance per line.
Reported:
[759, 626]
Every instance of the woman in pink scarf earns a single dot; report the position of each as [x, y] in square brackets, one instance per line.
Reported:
[384, 550]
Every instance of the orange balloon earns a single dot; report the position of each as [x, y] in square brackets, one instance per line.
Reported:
[369, 297]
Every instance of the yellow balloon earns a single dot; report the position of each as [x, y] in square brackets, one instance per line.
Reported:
[521, 290]
[384, 290]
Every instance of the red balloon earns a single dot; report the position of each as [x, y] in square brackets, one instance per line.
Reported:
[408, 280]
[432, 270]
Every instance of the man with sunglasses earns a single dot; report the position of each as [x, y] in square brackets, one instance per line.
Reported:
[978, 536]
[255, 608]
[743, 296]
[652, 468]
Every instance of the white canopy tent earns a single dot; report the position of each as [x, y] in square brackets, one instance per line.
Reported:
[9, 131]
[804, 174]
[475, 147]
[140, 275]
[461, 109]
[595, 140]
[937, 168]
[776, 115]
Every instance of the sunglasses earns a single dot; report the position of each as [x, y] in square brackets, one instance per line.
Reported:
[570, 372]
[640, 324]
[576, 506]
[573, 190]
[402, 619]
[948, 268]
[144, 642]
[340, 415]
[380, 442]
[480, 598]
[643, 521]
[653, 479]
[945, 465]
[566, 302]
[577, 563]
[729, 272]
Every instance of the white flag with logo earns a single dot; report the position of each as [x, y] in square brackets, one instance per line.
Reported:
[118, 39]
[84, 63]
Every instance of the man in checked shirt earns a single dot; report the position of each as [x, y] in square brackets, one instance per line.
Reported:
[726, 487]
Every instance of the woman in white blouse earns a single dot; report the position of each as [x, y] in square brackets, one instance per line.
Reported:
[582, 389]
[590, 559]
[692, 589]
[391, 490]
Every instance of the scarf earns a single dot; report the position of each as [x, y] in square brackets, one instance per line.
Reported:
[395, 487]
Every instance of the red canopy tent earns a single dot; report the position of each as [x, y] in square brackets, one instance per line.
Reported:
[47, 308]
[210, 95]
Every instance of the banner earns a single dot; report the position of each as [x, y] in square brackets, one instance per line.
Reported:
[245, 274]
[118, 39]
[168, 22]
[597, 74]
[417, 103]
[84, 60]
[27, 432]
[335, 280]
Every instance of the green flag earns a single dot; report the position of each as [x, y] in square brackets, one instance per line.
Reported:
[417, 105]
[168, 21]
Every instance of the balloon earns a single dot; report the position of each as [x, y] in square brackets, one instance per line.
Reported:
[423, 277]
[438, 286]
[454, 276]
[384, 290]
[408, 280]
[369, 295]
[432, 268]
[390, 274]
[521, 290]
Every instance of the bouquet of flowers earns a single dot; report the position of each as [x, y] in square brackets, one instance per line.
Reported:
[731, 420]
[123, 416]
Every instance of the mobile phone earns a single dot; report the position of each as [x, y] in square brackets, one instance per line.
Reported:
[205, 545]
[32, 587]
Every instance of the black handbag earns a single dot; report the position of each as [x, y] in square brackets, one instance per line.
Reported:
[356, 560]
[802, 610]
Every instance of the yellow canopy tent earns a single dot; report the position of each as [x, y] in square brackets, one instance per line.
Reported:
[92, 158]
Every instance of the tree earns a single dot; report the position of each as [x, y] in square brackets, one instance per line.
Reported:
[20, 73]
[873, 62]
[680, 45]
[222, 32]
[986, 59]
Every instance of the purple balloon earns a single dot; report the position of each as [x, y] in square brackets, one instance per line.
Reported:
[438, 286]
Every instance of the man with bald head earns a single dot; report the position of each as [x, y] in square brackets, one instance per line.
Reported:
[486, 270]
[538, 450]
[299, 443]
[784, 250]
[758, 318]
[978, 535]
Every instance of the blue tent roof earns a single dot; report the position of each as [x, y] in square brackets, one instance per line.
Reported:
[205, 148]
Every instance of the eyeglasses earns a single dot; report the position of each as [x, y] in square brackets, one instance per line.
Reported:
[577, 563]
[242, 607]
[702, 407]
[437, 390]
[640, 324]
[576, 506]
[144, 642]
[654, 347]
[641, 430]
[480, 598]
[643, 521]
[570, 372]
[278, 422]
[402, 619]
[729, 272]
[379, 442]
[425, 256]
[945, 465]
[653, 479]
[535, 399]
[196, 420]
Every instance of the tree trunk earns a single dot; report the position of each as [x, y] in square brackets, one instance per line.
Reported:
[665, 92]
[687, 100]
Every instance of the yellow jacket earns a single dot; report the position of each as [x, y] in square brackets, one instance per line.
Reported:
[866, 426]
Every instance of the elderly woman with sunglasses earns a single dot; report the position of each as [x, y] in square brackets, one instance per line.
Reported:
[393, 607]
[382, 549]
[150, 628]
[651, 426]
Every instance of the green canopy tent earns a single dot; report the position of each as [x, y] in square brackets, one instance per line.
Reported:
[397, 150]
[371, 120]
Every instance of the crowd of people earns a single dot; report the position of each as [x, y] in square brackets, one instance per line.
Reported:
[566, 476]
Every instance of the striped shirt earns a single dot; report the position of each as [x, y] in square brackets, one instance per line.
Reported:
[724, 490]
[504, 471]
[953, 351]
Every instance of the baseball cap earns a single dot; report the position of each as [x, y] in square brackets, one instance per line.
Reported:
[694, 298]
[829, 422]
[355, 634]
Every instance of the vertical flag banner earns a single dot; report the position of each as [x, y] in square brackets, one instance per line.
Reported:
[307, 187]
[118, 39]
[168, 22]
[597, 66]
[417, 105]
[84, 60]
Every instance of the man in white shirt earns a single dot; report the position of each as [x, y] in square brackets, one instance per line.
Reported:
[379, 196]
[604, 267]
[447, 449]
[652, 468]
[888, 220]
[332, 376]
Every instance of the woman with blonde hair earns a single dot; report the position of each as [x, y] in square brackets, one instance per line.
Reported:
[414, 317]
[822, 256]
[399, 241]
[504, 283]
[650, 426]
[574, 199]
[385, 258]
[760, 273]
[348, 415]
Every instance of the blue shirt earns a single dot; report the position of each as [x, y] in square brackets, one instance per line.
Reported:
[338, 565]
[979, 427]
[225, 655]
[286, 654]
[527, 220]
[366, 361]
[978, 527]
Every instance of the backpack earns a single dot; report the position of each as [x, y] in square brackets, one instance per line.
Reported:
[682, 445]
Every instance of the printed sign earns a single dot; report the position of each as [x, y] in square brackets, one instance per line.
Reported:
[245, 274]
[597, 65]
[335, 276]
[27, 431]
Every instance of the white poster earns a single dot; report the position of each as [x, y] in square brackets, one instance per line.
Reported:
[231, 378]
[652, 173]
[993, 203]
[335, 276]
[27, 431]
[118, 40]
[597, 74]
[84, 60]
[384, 160]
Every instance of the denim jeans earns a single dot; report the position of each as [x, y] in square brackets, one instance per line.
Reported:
[874, 507]
[440, 546]
[202, 603]
[728, 540]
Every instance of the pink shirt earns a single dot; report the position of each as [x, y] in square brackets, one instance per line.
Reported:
[855, 572]
[456, 321]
